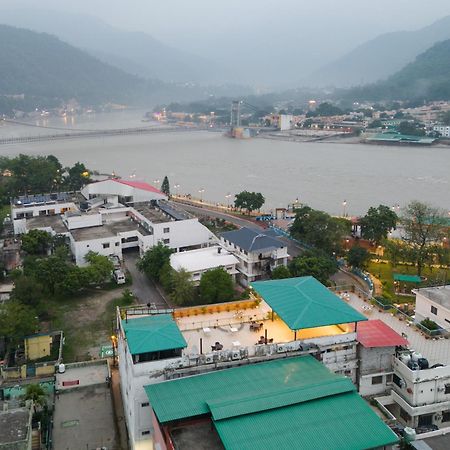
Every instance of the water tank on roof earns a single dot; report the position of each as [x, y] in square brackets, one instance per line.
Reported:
[405, 358]
[61, 368]
[415, 356]
[409, 434]
[423, 363]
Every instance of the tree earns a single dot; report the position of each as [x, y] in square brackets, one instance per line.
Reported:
[50, 271]
[423, 227]
[216, 286]
[154, 260]
[250, 201]
[319, 229]
[36, 393]
[100, 267]
[27, 291]
[183, 290]
[395, 250]
[376, 124]
[36, 242]
[165, 186]
[313, 264]
[280, 272]
[16, 321]
[77, 176]
[358, 257]
[377, 223]
[411, 128]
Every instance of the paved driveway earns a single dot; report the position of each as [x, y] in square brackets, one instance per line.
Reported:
[143, 288]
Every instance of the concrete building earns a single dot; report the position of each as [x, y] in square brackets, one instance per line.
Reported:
[283, 319]
[444, 130]
[278, 404]
[433, 303]
[377, 344]
[197, 262]
[15, 428]
[103, 221]
[258, 253]
[420, 397]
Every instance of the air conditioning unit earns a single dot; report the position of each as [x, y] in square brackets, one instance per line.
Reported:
[209, 358]
[291, 347]
[281, 348]
[235, 354]
[224, 356]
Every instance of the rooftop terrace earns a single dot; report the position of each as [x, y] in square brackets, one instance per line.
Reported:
[439, 294]
[54, 222]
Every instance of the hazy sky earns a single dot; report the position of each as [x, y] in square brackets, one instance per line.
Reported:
[197, 24]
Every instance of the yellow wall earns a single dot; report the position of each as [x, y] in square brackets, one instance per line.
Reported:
[45, 370]
[37, 347]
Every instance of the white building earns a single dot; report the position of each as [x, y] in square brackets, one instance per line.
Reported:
[434, 303]
[443, 129]
[128, 192]
[197, 262]
[377, 343]
[258, 253]
[155, 346]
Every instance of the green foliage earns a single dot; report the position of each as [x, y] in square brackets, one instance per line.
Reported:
[313, 264]
[77, 176]
[100, 267]
[17, 320]
[280, 272]
[325, 109]
[377, 223]
[411, 128]
[165, 186]
[182, 288]
[216, 286]
[428, 323]
[154, 260]
[319, 229]
[423, 227]
[250, 201]
[36, 393]
[36, 242]
[358, 257]
[28, 291]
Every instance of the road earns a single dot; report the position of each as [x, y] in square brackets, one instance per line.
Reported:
[143, 288]
[293, 249]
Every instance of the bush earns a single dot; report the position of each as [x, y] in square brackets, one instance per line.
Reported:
[429, 324]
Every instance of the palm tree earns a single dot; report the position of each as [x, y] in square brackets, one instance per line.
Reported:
[36, 393]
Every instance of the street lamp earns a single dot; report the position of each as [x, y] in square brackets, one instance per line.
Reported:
[344, 205]
[228, 196]
[200, 191]
[156, 182]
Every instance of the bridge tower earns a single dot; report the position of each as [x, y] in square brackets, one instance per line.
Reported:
[235, 120]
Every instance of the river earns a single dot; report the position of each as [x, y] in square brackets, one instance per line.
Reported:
[320, 174]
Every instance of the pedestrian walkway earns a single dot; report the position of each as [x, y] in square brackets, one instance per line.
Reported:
[436, 350]
[118, 408]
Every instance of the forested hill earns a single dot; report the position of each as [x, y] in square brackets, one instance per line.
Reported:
[427, 78]
[41, 66]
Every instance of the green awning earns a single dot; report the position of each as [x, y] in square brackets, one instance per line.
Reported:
[407, 278]
[304, 302]
[152, 334]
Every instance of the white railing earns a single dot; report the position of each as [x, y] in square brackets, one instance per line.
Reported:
[237, 319]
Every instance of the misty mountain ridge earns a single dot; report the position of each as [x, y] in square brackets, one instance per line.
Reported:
[426, 78]
[134, 52]
[381, 57]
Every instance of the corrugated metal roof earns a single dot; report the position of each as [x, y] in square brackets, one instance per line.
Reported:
[407, 278]
[152, 334]
[337, 422]
[375, 333]
[304, 302]
[252, 240]
[189, 396]
[142, 185]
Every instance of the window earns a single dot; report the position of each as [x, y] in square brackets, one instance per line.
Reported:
[389, 378]
[145, 404]
[146, 432]
[117, 244]
[166, 230]
[446, 416]
[377, 380]
[434, 310]
[447, 389]
[105, 245]
[166, 241]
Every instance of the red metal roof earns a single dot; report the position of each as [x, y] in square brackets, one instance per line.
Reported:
[140, 185]
[375, 333]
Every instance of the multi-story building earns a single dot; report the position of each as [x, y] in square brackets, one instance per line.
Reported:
[377, 346]
[444, 130]
[283, 319]
[433, 303]
[197, 262]
[257, 252]
[102, 220]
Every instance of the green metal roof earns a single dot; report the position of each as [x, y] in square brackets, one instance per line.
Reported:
[407, 278]
[152, 334]
[337, 422]
[304, 302]
[287, 403]
[263, 384]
